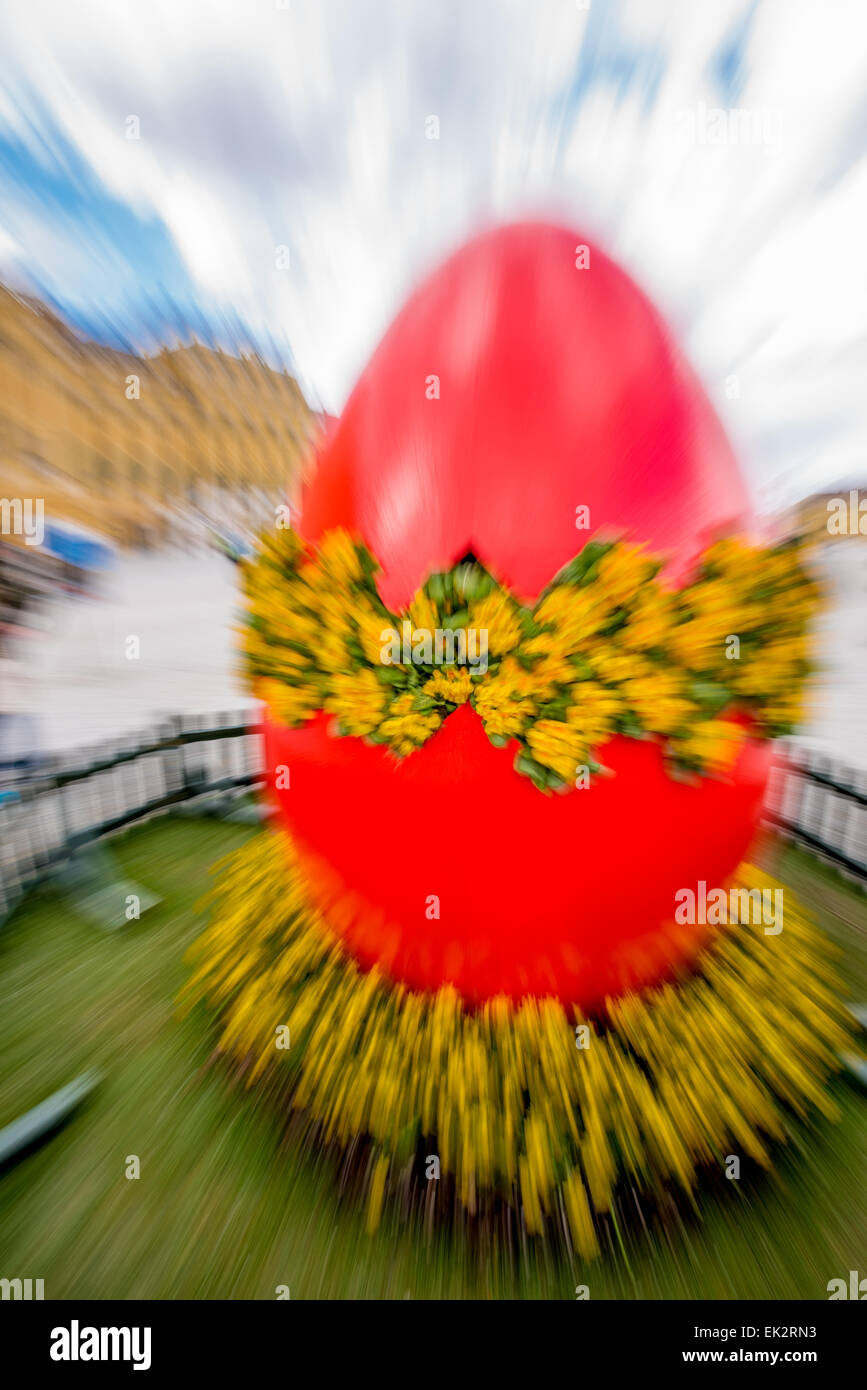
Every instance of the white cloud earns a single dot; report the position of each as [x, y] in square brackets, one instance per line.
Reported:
[306, 126]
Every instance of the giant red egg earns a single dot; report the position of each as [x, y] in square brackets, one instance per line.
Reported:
[524, 379]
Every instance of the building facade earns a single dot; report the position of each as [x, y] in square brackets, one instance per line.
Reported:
[135, 446]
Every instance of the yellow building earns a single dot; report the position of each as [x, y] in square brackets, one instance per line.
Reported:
[128, 444]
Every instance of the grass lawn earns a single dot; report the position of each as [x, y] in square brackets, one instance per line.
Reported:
[226, 1208]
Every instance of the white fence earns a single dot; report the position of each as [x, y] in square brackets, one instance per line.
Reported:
[53, 806]
[821, 803]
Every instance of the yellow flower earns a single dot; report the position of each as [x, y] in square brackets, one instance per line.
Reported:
[503, 710]
[333, 635]
[405, 728]
[375, 631]
[721, 1056]
[338, 558]
[496, 615]
[659, 701]
[622, 572]
[562, 747]
[423, 613]
[290, 704]
[357, 700]
[700, 642]
[650, 619]
[593, 711]
[540, 681]
[730, 555]
[610, 663]
[313, 616]
[787, 711]
[711, 743]
[450, 683]
[571, 615]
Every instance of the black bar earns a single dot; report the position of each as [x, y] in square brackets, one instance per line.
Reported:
[39, 781]
[272, 1338]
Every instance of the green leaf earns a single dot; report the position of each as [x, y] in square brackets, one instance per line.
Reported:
[630, 728]
[390, 675]
[578, 570]
[555, 782]
[468, 580]
[710, 696]
[528, 767]
[436, 588]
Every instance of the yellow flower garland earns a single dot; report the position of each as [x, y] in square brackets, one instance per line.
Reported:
[607, 649]
[670, 1079]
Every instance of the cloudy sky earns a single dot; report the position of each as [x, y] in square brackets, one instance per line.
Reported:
[718, 149]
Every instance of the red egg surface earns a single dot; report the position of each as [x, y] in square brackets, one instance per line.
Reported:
[557, 388]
